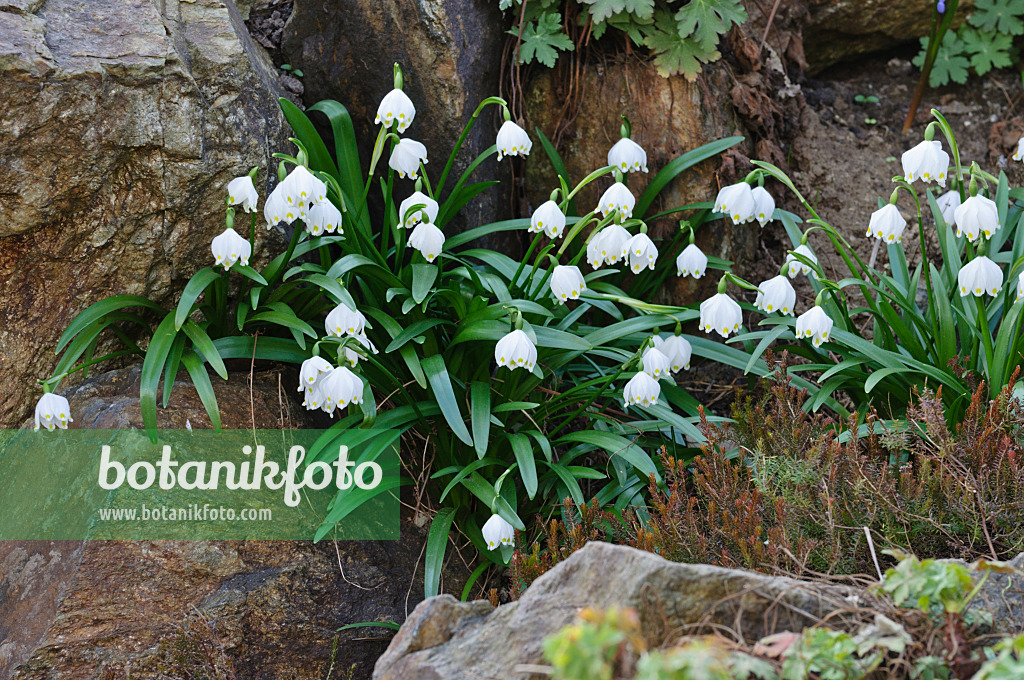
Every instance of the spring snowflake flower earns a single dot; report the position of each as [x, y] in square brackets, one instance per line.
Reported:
[814, 324]
[977, 217]
[313, 399]
[656, 363]
[323, 217]
[312, 370]
[512, 140]
[691, 262]
[926, 162]
[343, 320]
[516, 350]
[677, 349]
[301, 187]
[613, 240]
[497, 532]
[339, 388]
[594, 256]
[764, 205]
[409, 219]
[396, 107]
[427, 239]
[736, 201]
[352, 356]
[567, 283]
[796, 266]
[1019, 154]
[617, 200]
[549, 219]
[277, 210]
[776, 295]
[242, 193]
[406, 158]
[887, 224]
[642, 389]
[948, 203]
[1020, 287]
[628, 156]
[52, 410]
[720, 313]
[980, 276]
[640, 252]
[229, 248]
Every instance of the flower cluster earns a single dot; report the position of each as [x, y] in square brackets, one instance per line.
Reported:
[661, 358]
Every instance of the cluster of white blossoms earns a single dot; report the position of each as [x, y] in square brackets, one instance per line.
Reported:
[664, 357]
[53, 411]
[742, 203]
[302, 196]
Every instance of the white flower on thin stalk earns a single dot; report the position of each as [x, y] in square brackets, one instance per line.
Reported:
[409, 218]
[814, 324]
[1019, 154]
[277, 210]
[567, 283]
[427, 239]
[242, 193]
[926, 162]
[887, 224]
[641, 389]
[311, 371]
[343, 320]
[617, 200]
[516, 350]
[594, 252]
[301, 187]
[977, 217]
[640, 252]
[406, 158]
[691, 262]
[656, 363]
[720, 313]
[628, 156]
[764, 205]
[512, 140]
[677, 349]
[497, 532]
[613, 239]
[352, 356]
[313, 398]
[980, 276]
[736, 202]
[339, 388]
[323, 218]
[549, 219]
[230, 247]
[948, 203]
[796, 266]
[776, 295]
[395, 107]
[53, 411]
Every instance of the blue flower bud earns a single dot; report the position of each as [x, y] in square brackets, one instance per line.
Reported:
[941, 7]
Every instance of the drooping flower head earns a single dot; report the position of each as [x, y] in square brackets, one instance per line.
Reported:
[277, 210]
[641, 389]
[52, 410]
[312, 370]
[640, 251]
[339, 388]
[948, 203]
[406, 158]
[887, 224]
[1019, 154]
[409, 218]
[978, 216]
[567, 283]
[926, 162]
[427, 239]
[396, 107]
[980, 276]
[798, 267]
[736, 202]
[512, 140]
[301, 187]
[549, 219]
[242, 193]
[323, 218]
[691, 262]
[343, 320]
[497, 532]
[229, 247]
[1020, 287]
[814, 324]
[617, 200]
[764, 205]
[677, 349]
[656, 363]
[613, 239]
[776, 295]
[720, 313]
[516, 350]
[628, 156]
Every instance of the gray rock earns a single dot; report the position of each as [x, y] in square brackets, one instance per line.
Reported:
[123, 122]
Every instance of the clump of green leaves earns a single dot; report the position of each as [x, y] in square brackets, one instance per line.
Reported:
[981, 44]
[681, 38]
[929, 585]
[1006, 661]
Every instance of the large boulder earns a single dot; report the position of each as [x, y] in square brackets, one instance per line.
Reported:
[123, 121]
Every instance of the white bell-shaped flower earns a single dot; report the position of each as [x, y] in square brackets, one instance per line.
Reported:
[887, 224]
[427, 239]
[594, 256]
[567, 283]
[640, 252]
[277, 210]
[516, 350]
[1020, 287]
[242, 193]
[977, 217]
[980, 276]
[926, 162]
[776, 295]
[617, 200]
[720, 313]
[549, 219]
[1019, 154]
[52, 410]
[764, 205]
[497, 532]
[512, 140]
[677, 349]
[301, 187]
[691, 262]
[736, 202]
[395, 107]
[409, 218]
[343, 320]
[311, 371]
[313, 398]
[628, 156]
[641, 389]
[656, 363]
[814, 324]
[352, 356]
[613, 240]
[229, 248]
[796, 266]
[323, 218]
[948, 203]
[339, 388]
[406, 158]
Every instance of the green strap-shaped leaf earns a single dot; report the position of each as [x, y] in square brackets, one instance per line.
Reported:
[199, 282]
[484, 490]
[173, 364]
[152, 369]
[437, 542]
[305, 131]
[480, 414]
[270, 349]
[437, 375]
[527, 463]
[615, 445]
[201, 381]
[204, 346]
[680, 164]
[414, 331]
[423, 277]
[97, 310]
